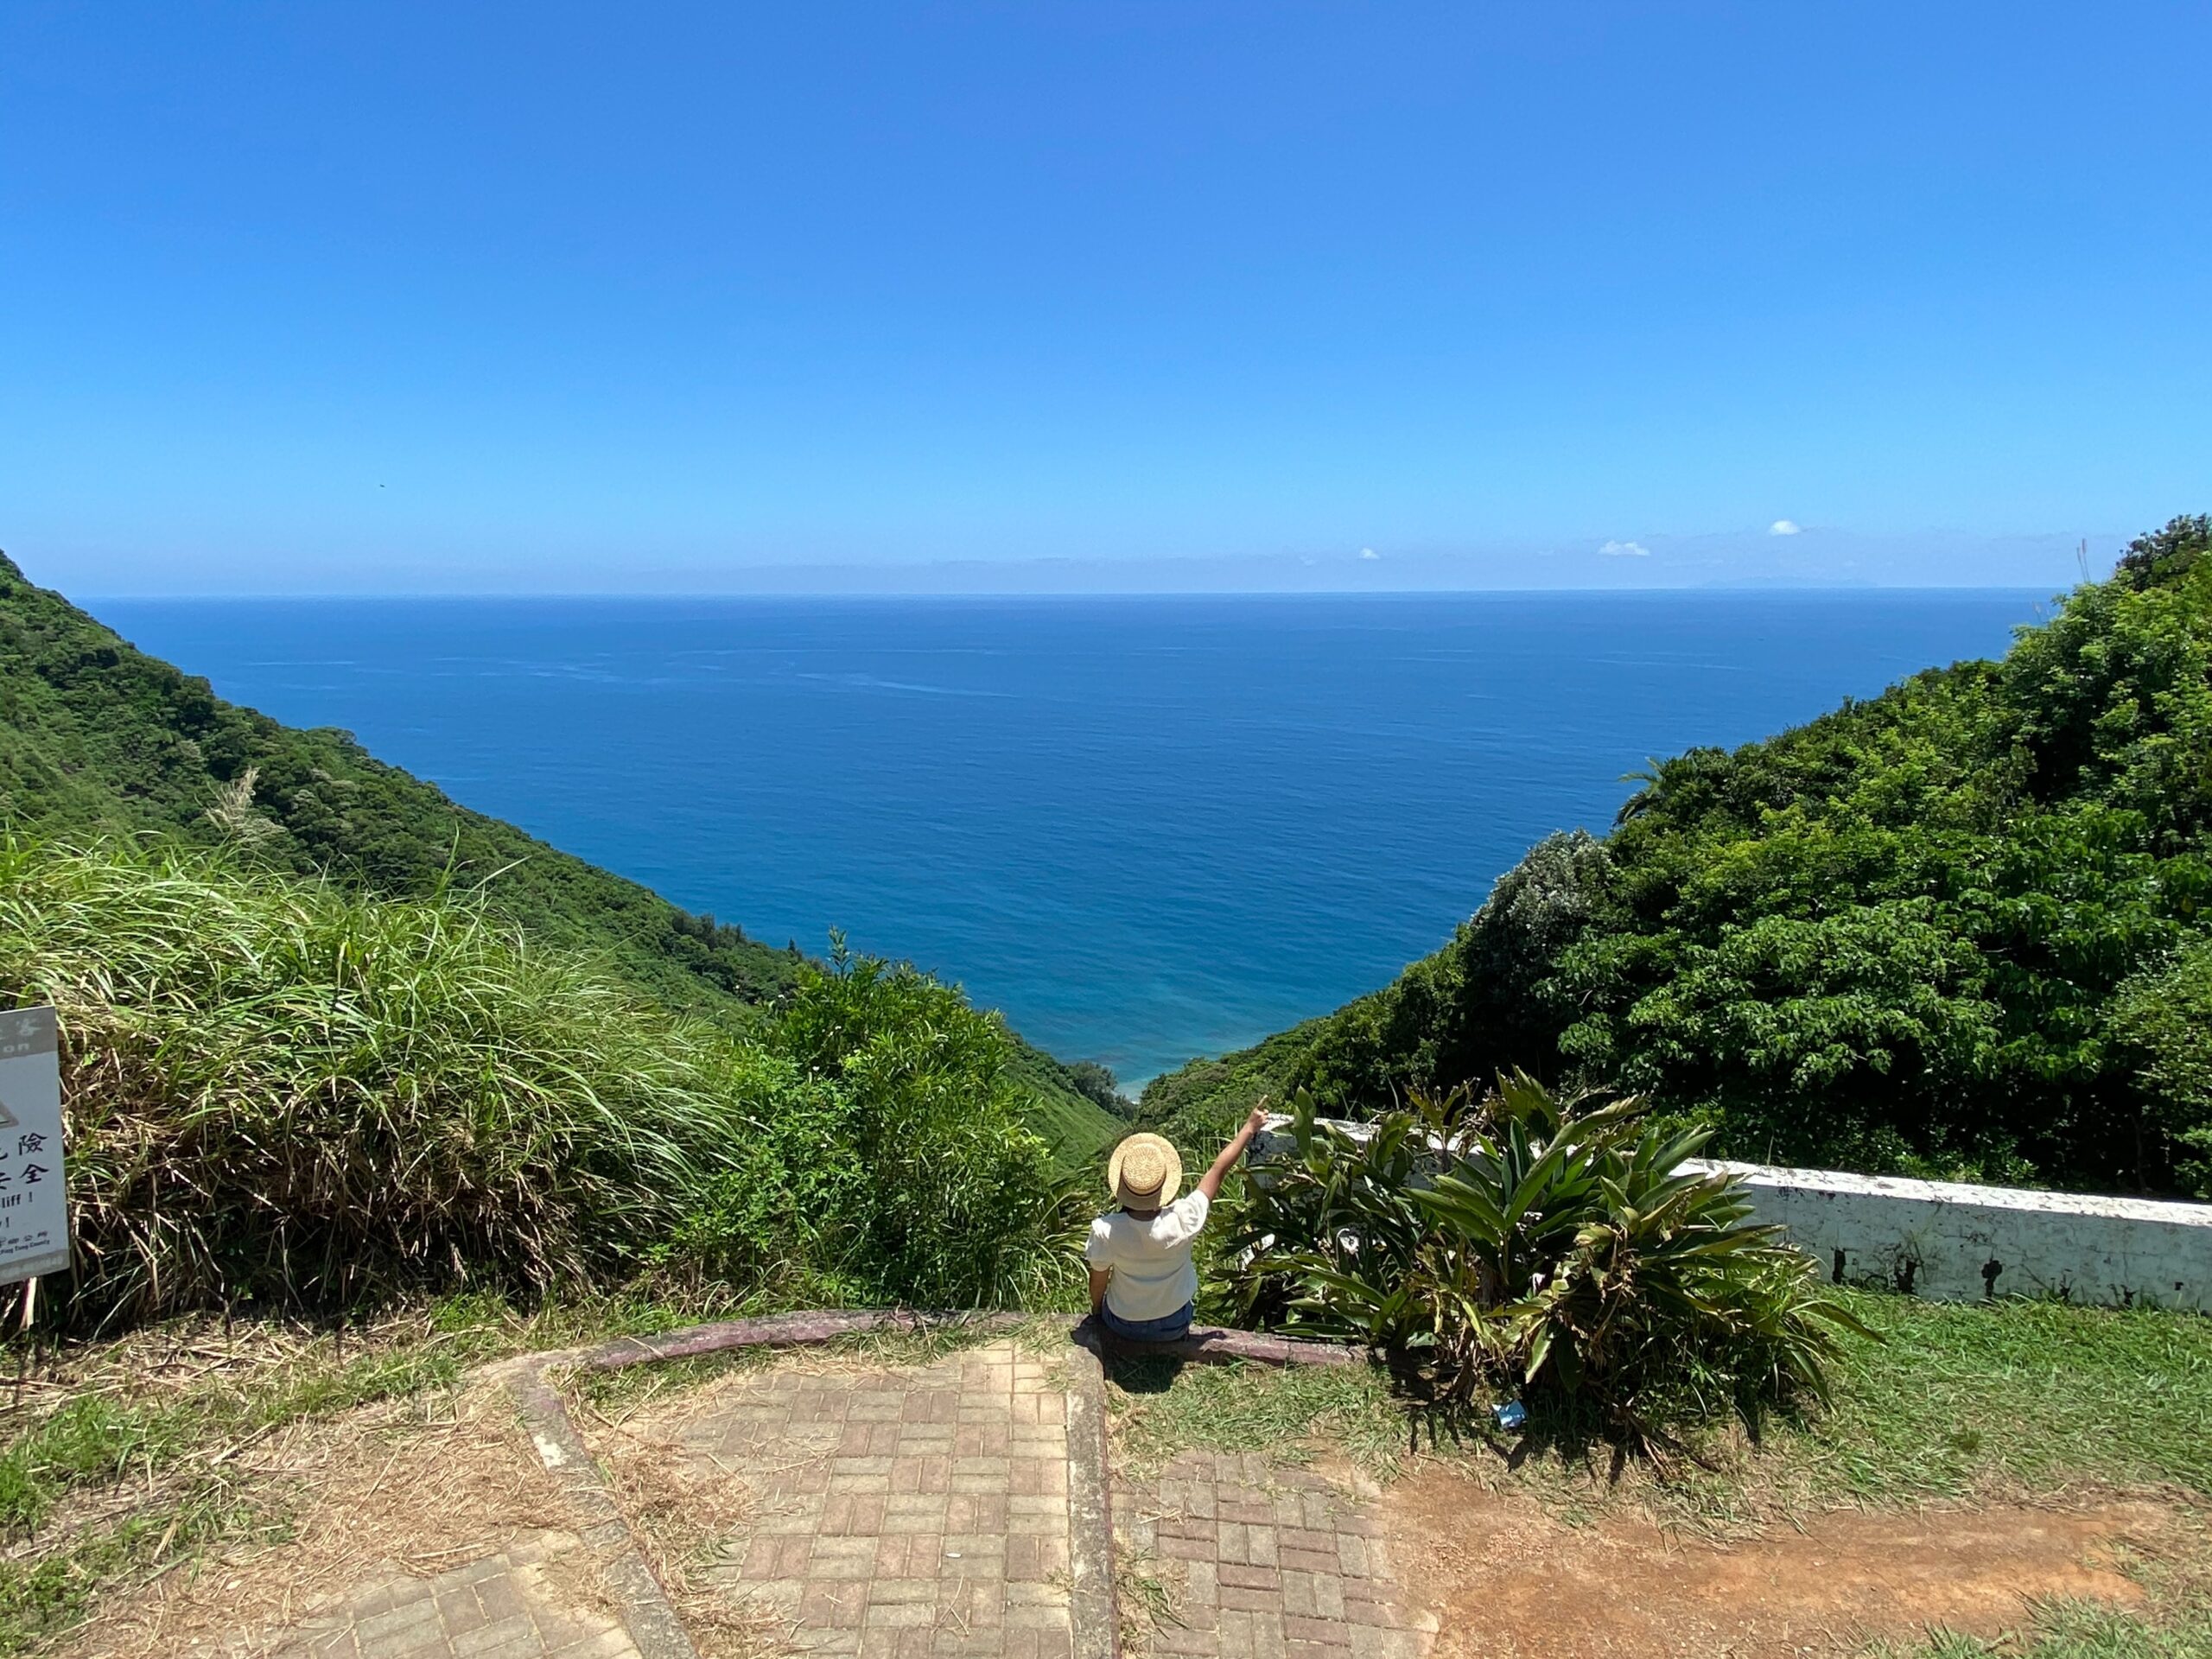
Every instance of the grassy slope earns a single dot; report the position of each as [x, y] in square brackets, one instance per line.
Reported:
[1203, 1101]
[96, 736]
[1079, 1129]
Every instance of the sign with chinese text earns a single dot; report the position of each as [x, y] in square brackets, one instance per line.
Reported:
[33, 1198]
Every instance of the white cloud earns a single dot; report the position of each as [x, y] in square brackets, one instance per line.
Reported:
[1784, 527]
[1368, 553]
[1626, 551]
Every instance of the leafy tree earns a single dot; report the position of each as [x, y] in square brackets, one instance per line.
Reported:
[1097, 1083]
[2163, 1017]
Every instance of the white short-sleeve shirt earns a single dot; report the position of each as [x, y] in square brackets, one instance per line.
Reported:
[1151, 1259]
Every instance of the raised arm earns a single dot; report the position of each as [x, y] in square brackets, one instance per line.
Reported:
[1209, 1183]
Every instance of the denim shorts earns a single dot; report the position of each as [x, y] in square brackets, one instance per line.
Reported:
[1165, 1328]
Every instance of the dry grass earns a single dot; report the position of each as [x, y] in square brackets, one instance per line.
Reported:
[414, 1487]
[277, 1090]
[128, 1464]
[682, 1520]
[613, 1397]
[1148, 1594]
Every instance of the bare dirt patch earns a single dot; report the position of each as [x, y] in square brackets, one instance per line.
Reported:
[1506, 1579]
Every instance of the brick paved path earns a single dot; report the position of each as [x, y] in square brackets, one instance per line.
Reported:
[921, 1511]
[1266, 1561]
[520, 1603]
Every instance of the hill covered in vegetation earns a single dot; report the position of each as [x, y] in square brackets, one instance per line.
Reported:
[1960, 929]
[98, 739]
[280, 1092]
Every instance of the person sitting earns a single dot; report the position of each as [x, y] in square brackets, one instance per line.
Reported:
[1143, 1284]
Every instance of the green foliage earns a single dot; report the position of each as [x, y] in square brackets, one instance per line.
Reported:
[2164, 554]
[2163, 1017]
[906, 1167]
[277, 1090]
[1955, 1400]
[1098, 1085]
[1207, 1099]
[1064, 1107]
[1528, 1242]
[1927, 933]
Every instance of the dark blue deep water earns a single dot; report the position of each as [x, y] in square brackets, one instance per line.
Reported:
[1146, 829]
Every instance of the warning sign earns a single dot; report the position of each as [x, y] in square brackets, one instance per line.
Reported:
[34, 1197]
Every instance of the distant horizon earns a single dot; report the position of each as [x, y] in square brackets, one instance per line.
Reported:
[1808, 560]
[679, 596]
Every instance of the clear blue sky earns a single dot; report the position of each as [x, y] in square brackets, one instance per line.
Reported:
[336, 297]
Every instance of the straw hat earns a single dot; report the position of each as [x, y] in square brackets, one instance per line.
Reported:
[1145, 1173]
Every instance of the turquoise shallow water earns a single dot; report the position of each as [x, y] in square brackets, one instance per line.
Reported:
[1146, 828]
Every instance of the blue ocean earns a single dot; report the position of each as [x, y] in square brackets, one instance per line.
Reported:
[1146, 829]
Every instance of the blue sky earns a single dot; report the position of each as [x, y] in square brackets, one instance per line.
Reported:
[352, 298]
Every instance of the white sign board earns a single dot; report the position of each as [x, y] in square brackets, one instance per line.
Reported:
[34, 1197]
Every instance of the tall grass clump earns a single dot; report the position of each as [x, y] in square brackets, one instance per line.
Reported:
[276, 1090]
[1522, 1242]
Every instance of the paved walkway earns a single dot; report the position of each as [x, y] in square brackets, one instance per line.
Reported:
[916, 1512]
[903, 1513]
[522, 1602]
[1265, 1561]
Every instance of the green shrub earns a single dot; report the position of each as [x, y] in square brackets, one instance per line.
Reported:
[961, 1204]
[2163, 1018]
[1531, 1243]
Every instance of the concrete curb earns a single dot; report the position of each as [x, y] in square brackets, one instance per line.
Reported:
[1092, 1615]
[651, 1617]
[640, 1601]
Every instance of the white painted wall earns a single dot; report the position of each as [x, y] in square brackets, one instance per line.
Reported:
[1956, 1243]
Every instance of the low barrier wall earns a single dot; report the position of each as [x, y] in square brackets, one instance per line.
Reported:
[1957, 1242]
[1953, 1241]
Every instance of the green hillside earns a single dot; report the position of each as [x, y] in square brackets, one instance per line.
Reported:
[97, 737]
[1961, 928]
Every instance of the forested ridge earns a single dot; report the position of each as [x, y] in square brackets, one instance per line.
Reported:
[1960, 929]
